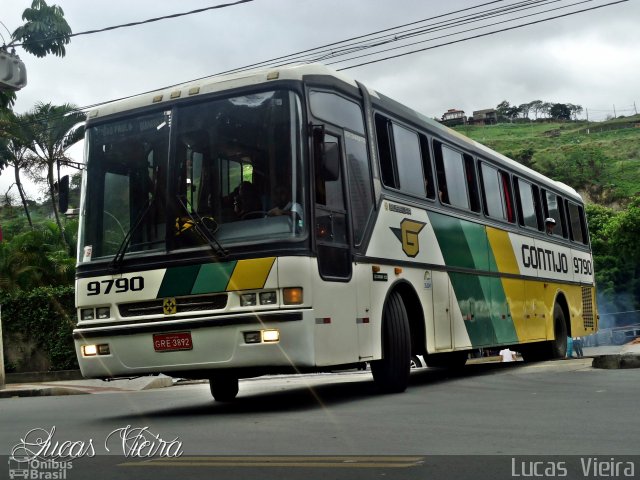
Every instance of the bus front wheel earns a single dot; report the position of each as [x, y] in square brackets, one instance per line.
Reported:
[224, 388]
[391, 373]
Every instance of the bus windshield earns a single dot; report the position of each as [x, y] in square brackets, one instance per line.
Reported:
[225, 171]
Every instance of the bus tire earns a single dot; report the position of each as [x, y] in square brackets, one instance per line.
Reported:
[558, 346]
[391, 373]
[224, 388]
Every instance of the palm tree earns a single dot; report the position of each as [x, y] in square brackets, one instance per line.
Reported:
[50, 130]
[14, 151]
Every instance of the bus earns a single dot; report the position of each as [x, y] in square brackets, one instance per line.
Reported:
[294, 220]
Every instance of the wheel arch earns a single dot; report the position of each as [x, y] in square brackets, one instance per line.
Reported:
[561, 300]
[415, 315]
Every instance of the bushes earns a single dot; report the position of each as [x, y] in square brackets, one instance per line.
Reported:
[37, 327]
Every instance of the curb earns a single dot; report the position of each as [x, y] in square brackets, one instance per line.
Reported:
[39, 392]
[616, 361]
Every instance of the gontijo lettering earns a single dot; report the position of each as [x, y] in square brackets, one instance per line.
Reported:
[544, 259]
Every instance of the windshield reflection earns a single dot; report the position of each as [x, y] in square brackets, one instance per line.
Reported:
[231, 175]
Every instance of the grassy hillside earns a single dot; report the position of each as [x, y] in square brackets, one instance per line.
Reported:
[600, 159]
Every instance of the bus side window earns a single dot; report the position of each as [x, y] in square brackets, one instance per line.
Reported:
[508, 197]
[552, 205]
[427, 168]
[527, 196]
[493, 202]
[452, 180]
[388, 170]
[577, 222]
[408, 161]
[472, 183]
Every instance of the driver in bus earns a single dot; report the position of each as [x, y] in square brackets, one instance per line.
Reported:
[283, 203]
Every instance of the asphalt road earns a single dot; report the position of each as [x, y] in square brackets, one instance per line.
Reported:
[483, 422]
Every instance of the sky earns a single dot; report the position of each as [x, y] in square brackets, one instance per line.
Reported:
[590, 59]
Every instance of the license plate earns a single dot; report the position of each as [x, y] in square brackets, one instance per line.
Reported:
[171, 342]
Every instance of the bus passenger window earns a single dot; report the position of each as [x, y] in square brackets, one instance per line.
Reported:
[427, 168]
[472, 184]
[408, 160]
[528, 206]
[451, 174]
[388, 170]
[552, 204]
[577, 221]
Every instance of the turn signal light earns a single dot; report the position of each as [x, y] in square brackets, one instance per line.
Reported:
[292, 296]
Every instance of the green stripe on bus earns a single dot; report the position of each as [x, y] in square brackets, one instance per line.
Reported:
[213, 277]
[178, 281]
[482, 299]
[453, 241]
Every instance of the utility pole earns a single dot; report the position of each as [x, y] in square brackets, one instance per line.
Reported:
[634, 107]
[614, 111]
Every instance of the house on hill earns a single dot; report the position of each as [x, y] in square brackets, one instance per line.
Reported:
[453, 117]
[488, 116]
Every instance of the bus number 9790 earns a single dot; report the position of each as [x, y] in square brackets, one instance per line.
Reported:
[119, 285]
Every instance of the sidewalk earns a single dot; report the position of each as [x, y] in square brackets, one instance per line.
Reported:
[84, 386]
[627, 357]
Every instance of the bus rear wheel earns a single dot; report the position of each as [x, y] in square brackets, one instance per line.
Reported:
[391, 373]
[558, 346]
[224, 387]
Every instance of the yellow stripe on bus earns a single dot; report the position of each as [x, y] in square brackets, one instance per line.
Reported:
[250, 274]
[502, 251]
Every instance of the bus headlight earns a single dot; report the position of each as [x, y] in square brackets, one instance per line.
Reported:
[103, 312]
[248, 300]
[267, 298]
[87, 314]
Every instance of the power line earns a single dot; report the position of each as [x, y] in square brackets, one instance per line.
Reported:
[489, 13]
[481, 35]
[467, 30]
[134, 24]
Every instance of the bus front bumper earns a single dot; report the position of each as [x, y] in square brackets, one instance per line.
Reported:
[266, 341]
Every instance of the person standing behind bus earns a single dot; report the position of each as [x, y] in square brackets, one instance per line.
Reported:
[569, 347]
[577, 346]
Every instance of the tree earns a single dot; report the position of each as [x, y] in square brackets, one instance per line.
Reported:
[45, 30]
[536, 107]
[575, 110]
[50, 130]
[502, 109]
[524, 109]
[14, 151]
[560, 111]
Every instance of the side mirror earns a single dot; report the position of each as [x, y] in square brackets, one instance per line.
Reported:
[63, 194]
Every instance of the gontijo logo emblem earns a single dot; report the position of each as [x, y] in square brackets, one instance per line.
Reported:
[408, 235]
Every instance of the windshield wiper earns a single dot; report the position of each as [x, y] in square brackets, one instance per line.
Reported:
[122, 249]
[202, 229]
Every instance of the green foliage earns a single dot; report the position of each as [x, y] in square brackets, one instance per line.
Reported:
[45, 30]
[600, 158]
[616, 253]
[46, 316]
[35, 258]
